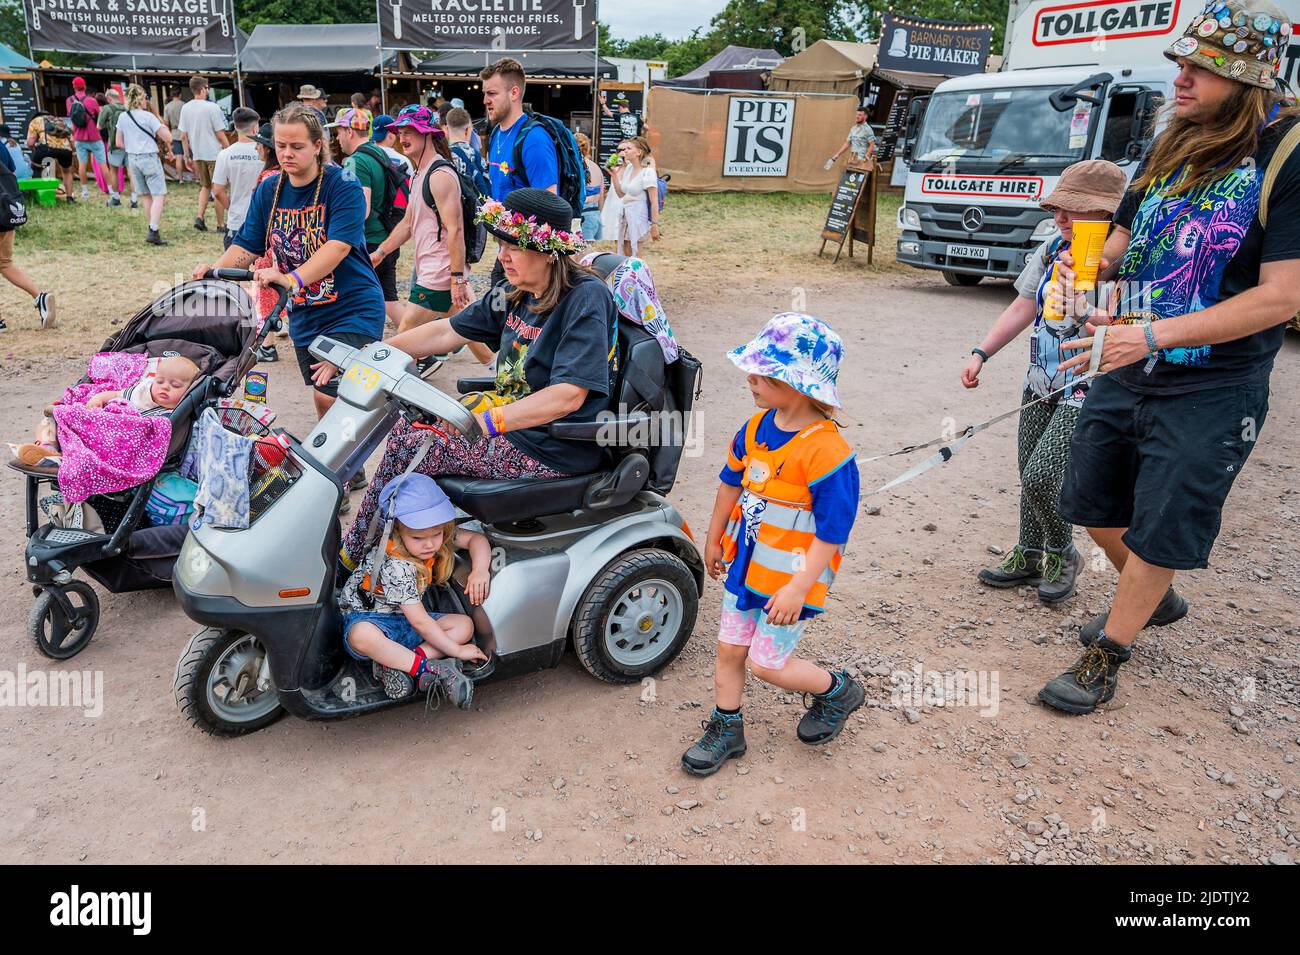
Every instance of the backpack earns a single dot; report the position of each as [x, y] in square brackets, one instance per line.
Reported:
[55, 127]
[661, 193]
[77, 113]
[475, 232]
[572, 187]
[398, 185]
[13, 212]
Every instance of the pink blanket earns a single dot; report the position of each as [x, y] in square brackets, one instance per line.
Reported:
[111, 448]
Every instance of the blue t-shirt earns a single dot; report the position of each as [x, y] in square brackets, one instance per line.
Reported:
[22, 168]
[834, 505]
[540, 162]
[349, 299]
[469, 162]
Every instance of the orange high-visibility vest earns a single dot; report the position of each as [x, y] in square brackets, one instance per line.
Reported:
[782, 478]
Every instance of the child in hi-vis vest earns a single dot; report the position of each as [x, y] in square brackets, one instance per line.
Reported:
[782, 516]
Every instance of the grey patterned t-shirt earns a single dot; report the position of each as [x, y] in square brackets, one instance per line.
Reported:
[398, 578]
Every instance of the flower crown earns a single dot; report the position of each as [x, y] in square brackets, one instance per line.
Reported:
[527, 232]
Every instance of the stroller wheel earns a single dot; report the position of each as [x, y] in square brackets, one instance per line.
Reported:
[57, 633]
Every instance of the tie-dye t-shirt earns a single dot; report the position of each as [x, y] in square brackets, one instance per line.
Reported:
[1192, 250]
[348, 299]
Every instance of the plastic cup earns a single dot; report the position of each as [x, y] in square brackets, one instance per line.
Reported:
[1086, 248]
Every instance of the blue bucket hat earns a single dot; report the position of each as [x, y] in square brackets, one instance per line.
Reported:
[798, 349]
[416, 501]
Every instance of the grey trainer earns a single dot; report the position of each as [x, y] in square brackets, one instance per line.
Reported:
[724, 737]
[445, 675]
[1020, 566]
[829, 711]
[1060, 574]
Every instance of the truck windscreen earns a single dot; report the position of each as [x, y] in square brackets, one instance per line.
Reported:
[996, 130]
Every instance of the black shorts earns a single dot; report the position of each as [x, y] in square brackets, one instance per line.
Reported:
[42, 151]
[1161, 465]
[306, 359]
[387, 273]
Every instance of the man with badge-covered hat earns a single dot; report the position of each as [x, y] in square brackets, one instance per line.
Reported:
[1206, 251]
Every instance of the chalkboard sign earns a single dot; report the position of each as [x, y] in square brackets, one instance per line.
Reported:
[617, 125]
[843, 215]
[17, 102]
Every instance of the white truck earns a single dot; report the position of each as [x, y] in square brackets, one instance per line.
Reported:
[1080, 80]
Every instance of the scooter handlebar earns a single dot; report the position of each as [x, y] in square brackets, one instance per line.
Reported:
[231, 275]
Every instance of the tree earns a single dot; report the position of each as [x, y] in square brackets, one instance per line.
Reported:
[13, 31]
[250, 13]
[787, 26]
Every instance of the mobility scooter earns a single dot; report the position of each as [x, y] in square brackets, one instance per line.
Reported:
[602, 561]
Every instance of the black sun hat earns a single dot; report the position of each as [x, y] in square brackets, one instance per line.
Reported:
[535, 219]
[265, 136]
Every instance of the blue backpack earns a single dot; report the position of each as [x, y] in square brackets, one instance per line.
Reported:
[572, 187]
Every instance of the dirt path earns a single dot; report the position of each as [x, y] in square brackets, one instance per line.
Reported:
[1194, 762]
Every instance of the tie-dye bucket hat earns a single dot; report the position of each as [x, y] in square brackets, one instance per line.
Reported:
[798, 349]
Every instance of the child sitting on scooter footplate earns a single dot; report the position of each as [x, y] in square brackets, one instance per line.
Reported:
[787, 502]
[384, 618]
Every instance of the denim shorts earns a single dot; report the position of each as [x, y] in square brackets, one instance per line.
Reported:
[117, 157]
[146, 172]
[86, 149]
[394, 626]
[591, 225]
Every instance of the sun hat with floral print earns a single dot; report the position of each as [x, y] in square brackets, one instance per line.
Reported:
[798, 349]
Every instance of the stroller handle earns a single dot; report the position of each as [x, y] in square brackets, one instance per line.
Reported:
[231, 275]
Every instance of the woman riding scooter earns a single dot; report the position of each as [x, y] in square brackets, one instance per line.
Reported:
[554, 334]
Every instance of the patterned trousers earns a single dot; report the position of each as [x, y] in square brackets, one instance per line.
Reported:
[482, 458]
[1043, 452]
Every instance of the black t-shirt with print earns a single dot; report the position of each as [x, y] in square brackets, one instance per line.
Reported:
[1244, 359]
[573, 344]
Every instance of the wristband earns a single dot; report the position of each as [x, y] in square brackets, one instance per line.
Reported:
[457, 273]
[297, 278]
[981, 352]
[498, 419]
[489, 426]
[1150, 335]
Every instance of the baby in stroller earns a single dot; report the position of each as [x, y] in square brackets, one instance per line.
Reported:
[160, 388]
[114, 505]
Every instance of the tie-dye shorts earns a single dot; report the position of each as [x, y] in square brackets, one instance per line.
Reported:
[769, 646]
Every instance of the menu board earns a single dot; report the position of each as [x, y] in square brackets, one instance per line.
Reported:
[17, 102]
[843, 203]
[618, 124]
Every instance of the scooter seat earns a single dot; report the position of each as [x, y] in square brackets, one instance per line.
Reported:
[501, 502]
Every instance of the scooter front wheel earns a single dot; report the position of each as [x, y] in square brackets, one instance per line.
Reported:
[221, 685]
[636, 616]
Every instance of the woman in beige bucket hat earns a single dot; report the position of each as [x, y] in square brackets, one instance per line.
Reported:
[1045, 556]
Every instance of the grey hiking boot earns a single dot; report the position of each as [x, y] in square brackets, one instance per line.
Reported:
[1171, 609]
[1021, 566]
[830, 710]
[446, 676]
[724, 737]
[1060, 570]
[1090, 682]
[397, 685]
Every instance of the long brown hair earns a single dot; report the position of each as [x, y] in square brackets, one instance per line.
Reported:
[1203, 151]
[565, 274]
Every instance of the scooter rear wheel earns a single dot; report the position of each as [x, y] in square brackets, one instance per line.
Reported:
[636, 616]
[216, 684]
[55, 634]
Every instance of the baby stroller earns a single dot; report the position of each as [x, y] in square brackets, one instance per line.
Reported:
[212, 322]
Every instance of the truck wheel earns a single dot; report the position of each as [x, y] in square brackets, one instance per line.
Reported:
[961, 279]
[56, 635]
[636, 616]
[216, 684]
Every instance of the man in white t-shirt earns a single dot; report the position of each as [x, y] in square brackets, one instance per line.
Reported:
[237, 171]
[203, 134]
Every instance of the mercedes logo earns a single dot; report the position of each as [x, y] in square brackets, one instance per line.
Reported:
[972, 218]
